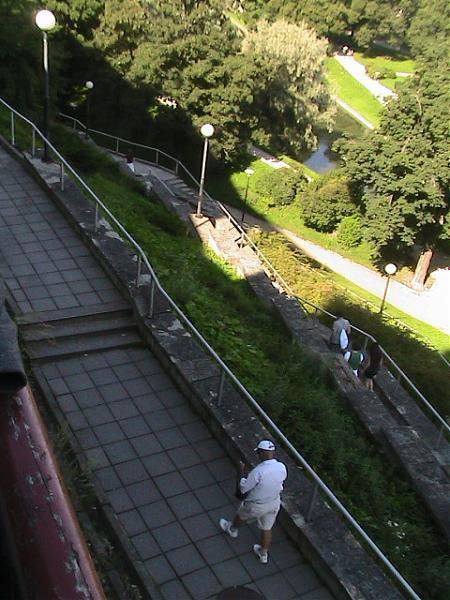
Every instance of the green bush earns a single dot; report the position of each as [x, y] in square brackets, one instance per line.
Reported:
[380, 73]
[280, 186]
[325, 203]
[349, 232]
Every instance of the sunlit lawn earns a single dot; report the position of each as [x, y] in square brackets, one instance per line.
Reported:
[401, 65]
[352, 92]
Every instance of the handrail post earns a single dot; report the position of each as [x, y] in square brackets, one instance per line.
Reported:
[96, 218]
[33, 142]
[157, 157]
[399, 378]
[177, 164]
[117, 145]
[441, 433]
[366, 341]
[220, 388]
[138, 273]
[312, 501]
[61, 176]
[74, 121]
[13, 132]
[152, 298]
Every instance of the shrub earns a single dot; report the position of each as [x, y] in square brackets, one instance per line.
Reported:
[380, 72]
[325, 203]
[280, 186]
[349, 232]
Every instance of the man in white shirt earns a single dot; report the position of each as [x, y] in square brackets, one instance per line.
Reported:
[262, 488]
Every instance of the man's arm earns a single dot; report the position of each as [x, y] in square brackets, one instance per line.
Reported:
[248, 483]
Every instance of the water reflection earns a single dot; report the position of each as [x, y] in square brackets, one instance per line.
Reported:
[322, 160]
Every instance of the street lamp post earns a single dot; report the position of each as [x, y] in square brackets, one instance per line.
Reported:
[390, 269]
[89, 87]
[249, 172]
[46, 21]
[207, 131]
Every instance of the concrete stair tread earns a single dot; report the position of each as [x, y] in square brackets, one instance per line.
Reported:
[71, 346]
[70, 313]
[75, 326]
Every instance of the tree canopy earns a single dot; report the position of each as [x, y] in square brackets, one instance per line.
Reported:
[400, 173]
[296, 94]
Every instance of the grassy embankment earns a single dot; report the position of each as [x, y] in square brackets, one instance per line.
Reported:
[231, 187]
[352, 92]
[296, 392]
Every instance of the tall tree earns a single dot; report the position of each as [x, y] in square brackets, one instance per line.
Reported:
[401, 172]
[296, 102]
[20, 53]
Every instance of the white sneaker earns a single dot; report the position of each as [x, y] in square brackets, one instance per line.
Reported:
[263, 556]
[226, 526]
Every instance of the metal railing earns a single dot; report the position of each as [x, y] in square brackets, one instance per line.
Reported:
[225, 372]
[179, 169]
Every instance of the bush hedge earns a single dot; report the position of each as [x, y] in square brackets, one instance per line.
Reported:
[325, 202]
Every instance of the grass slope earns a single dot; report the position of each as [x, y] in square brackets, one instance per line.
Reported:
[352, 92]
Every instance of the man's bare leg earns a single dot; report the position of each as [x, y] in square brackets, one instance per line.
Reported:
[237, 522]
[266, 538]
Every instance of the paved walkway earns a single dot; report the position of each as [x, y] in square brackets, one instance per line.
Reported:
[427, 306]
[358, 71]
[166, 478]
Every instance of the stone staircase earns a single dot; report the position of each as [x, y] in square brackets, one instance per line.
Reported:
[78, 331]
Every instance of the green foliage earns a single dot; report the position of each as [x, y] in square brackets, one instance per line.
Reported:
[401, 172]
[278, 187]
[295, 97]
[349, 231]
[326, 202]
[380, 73]
[20, 54]
[430, 28]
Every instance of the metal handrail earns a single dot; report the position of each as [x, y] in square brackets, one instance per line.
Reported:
[400, 374]
[154, 282]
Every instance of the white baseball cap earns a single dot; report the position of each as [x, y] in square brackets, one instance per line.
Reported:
[265, 445]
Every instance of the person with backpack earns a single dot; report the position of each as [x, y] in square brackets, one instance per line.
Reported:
[354, 359]
[340, 334]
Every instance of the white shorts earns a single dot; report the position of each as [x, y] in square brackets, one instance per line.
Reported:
[264, 514]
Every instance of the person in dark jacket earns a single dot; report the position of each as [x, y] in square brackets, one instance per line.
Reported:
[375, 362]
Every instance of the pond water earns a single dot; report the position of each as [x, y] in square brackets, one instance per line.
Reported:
[322, 160]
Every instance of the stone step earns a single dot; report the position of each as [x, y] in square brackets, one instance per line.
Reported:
[91, 324]
[43, 350]
[118, 307]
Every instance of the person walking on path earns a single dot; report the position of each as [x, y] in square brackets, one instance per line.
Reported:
[262, 487]
[340, 324]
[354, 359]
[130, 160]
[375, 362]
